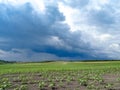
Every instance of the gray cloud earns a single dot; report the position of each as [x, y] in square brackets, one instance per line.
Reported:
[30, 34]
[76, 3]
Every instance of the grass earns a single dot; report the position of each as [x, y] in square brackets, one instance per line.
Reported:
[36, 67]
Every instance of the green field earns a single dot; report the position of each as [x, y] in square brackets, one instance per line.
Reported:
[99, 75]
[37, 67]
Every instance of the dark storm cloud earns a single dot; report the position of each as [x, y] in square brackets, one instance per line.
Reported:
[26, 29]
[22, 27]
[31, 33]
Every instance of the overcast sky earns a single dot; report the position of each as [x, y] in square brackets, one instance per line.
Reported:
[35, 30]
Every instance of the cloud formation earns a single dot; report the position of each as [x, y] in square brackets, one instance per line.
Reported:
[32, 30]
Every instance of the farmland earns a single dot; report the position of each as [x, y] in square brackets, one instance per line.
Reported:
[99, 75]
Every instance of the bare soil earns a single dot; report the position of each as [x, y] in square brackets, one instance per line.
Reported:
[62, 81]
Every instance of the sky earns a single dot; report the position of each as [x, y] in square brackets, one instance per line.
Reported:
[37, 30]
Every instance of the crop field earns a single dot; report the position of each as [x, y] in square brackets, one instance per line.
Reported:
[99, 75]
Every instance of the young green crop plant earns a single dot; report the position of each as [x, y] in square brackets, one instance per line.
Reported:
[109, 86]
[92, 87]
[52, 85]
[41, 85]
[23, 87]
[4, 84]
[83, 82]
[118, 79]
[16, 88]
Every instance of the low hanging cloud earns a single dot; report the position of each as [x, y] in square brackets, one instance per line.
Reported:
[59, 30]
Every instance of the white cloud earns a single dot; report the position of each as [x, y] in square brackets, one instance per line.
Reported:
[58, 43]
[102, 33]
[115, 47]
[74, 17]
[38, 5]
[55, 41]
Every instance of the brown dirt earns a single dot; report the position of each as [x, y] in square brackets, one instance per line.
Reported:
[32, 82]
